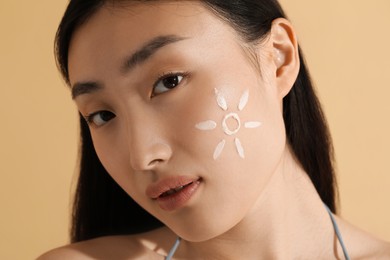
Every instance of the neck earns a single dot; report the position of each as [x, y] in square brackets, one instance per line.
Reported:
[289, 218]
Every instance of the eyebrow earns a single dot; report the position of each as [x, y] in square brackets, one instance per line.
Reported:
[135, 59]
[81, 88]
[147, 50]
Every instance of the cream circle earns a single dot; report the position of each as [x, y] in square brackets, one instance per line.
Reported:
[225, 126]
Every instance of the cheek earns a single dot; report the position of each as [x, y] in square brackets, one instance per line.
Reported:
[237, 137]
[251, 152]
[235, 123]
[105, 152]
[113, 155]
[115, 160]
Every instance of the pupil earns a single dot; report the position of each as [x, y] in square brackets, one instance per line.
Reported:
[171, 82]
[106, 115]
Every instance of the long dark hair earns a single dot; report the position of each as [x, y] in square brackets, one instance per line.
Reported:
[101, 207]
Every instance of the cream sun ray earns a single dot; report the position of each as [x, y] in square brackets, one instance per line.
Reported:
[206, 125]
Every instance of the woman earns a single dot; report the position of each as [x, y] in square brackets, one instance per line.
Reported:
[202, 137]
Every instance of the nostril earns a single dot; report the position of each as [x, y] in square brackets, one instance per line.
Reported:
[155, 161]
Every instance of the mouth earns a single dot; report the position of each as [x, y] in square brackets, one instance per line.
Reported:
[170, 186]
[174, 192]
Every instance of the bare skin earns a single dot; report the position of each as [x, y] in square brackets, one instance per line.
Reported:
[244, 208]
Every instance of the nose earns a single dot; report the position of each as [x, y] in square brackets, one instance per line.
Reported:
[148, 149]
[144, 157]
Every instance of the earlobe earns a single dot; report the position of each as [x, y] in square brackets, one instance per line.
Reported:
[285, 55]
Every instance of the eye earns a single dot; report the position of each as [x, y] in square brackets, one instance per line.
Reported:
[99, 118]
[167, 82]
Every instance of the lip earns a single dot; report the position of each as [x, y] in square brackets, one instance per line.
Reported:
[185, 186]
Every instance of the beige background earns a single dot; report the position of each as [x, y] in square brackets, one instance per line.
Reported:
[346, 45]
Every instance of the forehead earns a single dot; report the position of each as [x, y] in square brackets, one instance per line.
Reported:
[115, 31]
[152, 15]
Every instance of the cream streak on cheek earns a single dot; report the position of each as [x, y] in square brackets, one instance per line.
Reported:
[209, 125]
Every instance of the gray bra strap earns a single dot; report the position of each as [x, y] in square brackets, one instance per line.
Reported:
[173, 249]
[338, 234]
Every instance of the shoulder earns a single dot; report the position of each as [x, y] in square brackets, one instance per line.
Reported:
[151, 245]
[362, 245]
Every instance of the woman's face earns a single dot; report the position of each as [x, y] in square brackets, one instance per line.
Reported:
[179, 115]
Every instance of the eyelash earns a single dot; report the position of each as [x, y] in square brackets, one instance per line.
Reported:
[184, 76]
[90, 118]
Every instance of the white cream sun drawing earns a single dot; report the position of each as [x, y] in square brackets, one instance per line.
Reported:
[210, 124]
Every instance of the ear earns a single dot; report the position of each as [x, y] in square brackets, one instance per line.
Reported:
[285, 55]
